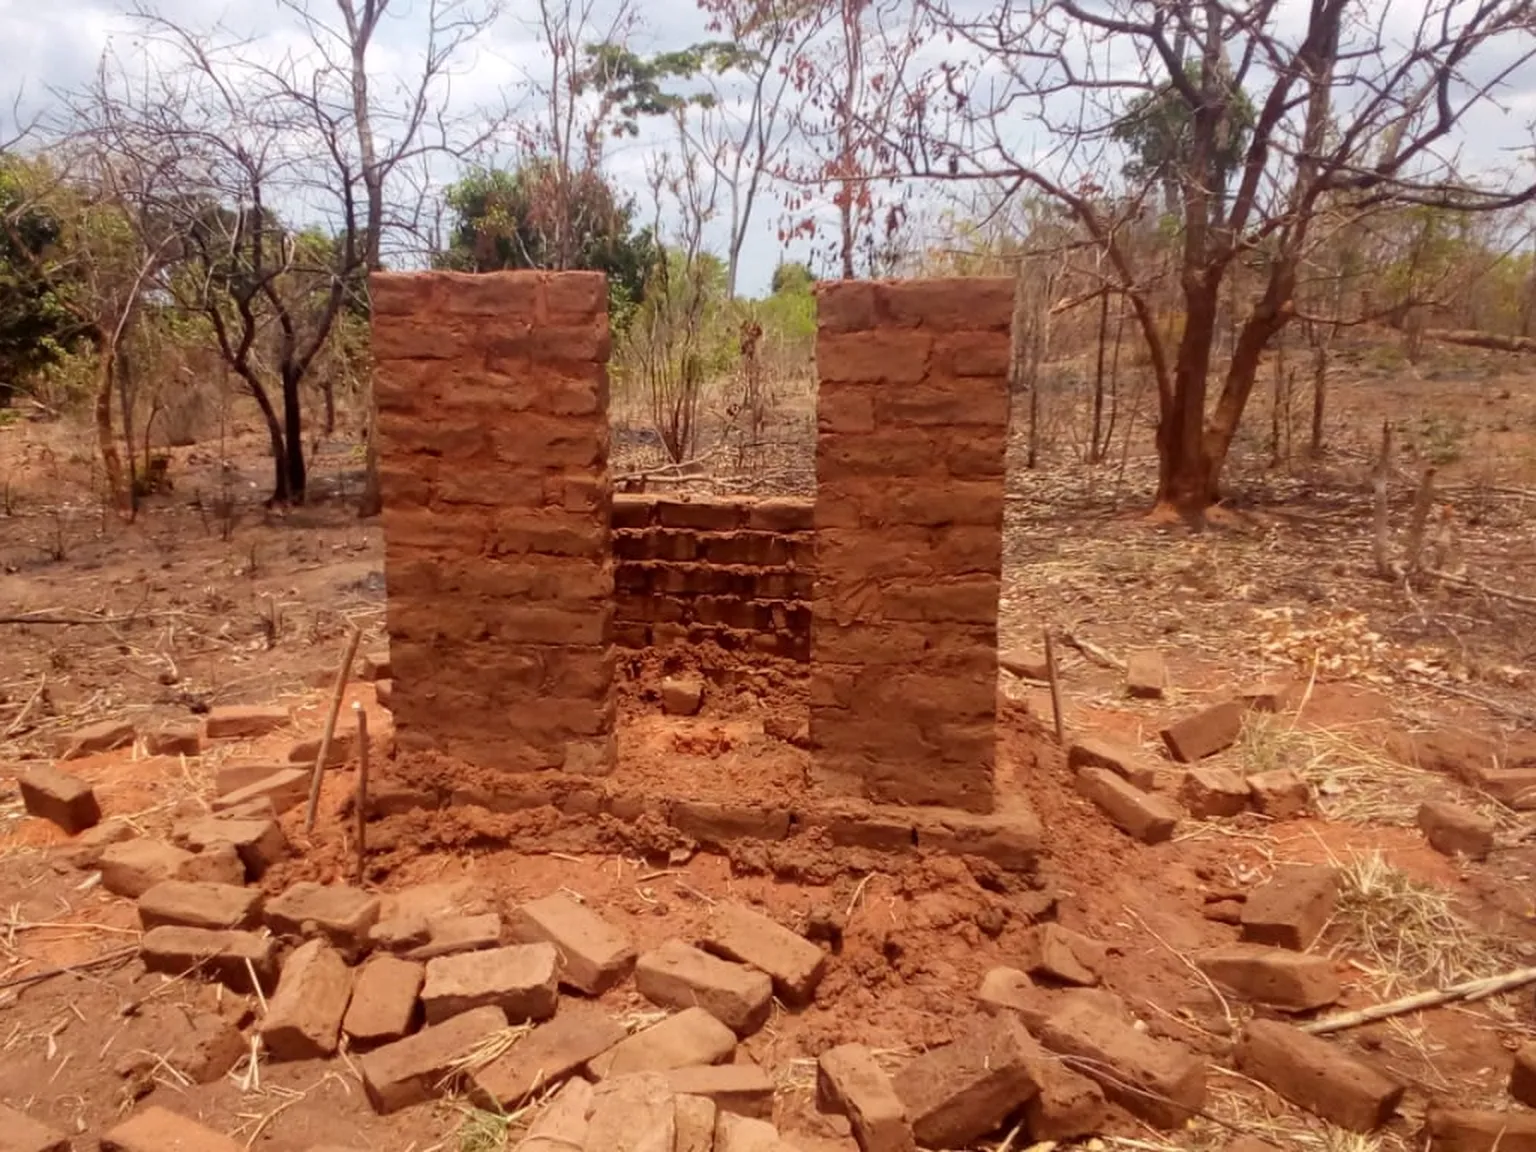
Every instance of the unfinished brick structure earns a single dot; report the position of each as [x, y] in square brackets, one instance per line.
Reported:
[913, 415]
[492, 396]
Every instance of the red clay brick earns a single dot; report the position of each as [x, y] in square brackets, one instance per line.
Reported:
[1124, 760]
[1276, 977]
[631, 1114]
[1067, 1107]
[1291, 909]
[1314, 1074]
[691, 1037]
[850, 1083]
[453, 934]
[1205, 733]
[1469, 1130]
[133, 867]
[412, 1070]
[963, 1091]
[1211, 791]
[742, 1089]
[971, 305]
[104, 736]
[677, 975]
[1280, 794]
[341, 914]
[594, 955]
[85, 851]
[546, 1056]
[682, 696]
[878, 357]
[384, 998]
[561, 1126]
[696, 1118]
[714, 824]
[303, 1020]
[157, 1129]
[20, 1133]
[1522, 1076]
[239, 722]
[1146, 675]
[259, 842]
[520, 980]
[174, 740]
[1452, 830]
[286, 788]
[1061, 955]
[223, 955]
[192, 905]
[375, 665]
[60, 798]
[1144, 815]
[218, 864]
[748, 937]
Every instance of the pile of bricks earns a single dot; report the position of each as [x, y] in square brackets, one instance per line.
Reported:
[736, 572]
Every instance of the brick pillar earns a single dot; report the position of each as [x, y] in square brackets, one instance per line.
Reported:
[913, 417]
[492, 396]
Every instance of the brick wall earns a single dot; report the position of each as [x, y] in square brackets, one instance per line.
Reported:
[735, 571]
[492, 396]
[913, 417]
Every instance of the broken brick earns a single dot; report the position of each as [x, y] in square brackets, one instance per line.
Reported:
[561, 1126]
[690, 1037]
[1067, 1107]
[1059, 954]
[962, 1091]
[520, 980]
[453, 934]
[794, 964]
[418, 1068]
[1157, 1080]
[1291, 909]
[1472, 1130]
[375, 666]
[744, 1134]
[307, 751]
[546, 1056]
[1209, 791]
[1277, 977]
[631, 1114]
[239, 722]
[696, 1118]
[242, 774]
[1280, 794]
[1124, 760]
[218, 864]
[1205, 733]
[20, 1133]
[286, 788]
[1026, 663]
[1146, 675]
[594, 954]
[1149, 818]
[174, 740]
[850, 1083]
[60, 798]
[158, 1129]
[743, 1089]
[260, 843]
[1009, 990]
[384, 996]
[193, 905]
[682, 696]
[1316, 1075]
[303, 1019]
[229, 957]
[677, 975]
[211, 1046]
[104, 736]
[1522, 1077]
[343, 915]
[1453, 830]
[86, 849]
[133, 867]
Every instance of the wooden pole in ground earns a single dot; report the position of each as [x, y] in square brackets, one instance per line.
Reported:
[362, 789]
[337, 693]
[1055, 680]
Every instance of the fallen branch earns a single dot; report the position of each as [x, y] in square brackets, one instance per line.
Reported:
[1091, 650]
[65, 621]
[105, 958]
[26, 709]
[1476, 586]
[1467, 992]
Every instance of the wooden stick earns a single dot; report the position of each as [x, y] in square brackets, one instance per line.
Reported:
[1055, 679]
[1469, 990]
[84, 966]
[362, 789]
[26, 709]
[340, 690]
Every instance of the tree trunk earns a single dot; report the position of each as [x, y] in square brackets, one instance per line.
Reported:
[111, 459]
[125, 395]
[1186, 482]
[1098, 382]
[293, 434]
[1319, 399]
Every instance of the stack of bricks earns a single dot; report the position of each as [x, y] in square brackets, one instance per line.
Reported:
[913, 412]
[492, 396]
[736, 572]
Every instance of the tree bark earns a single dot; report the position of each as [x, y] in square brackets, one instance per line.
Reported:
[111, 458]
[293, 435]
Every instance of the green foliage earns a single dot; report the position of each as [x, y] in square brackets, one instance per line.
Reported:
[35, 327]
[541, 216]
[788, 316]
[633, 86]
[791, 277]
[1158, 129]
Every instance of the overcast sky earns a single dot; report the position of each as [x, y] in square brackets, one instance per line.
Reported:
[58, 43]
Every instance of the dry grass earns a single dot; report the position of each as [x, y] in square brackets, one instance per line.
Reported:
[490, 1049]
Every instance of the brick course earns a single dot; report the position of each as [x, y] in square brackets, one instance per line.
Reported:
[913, 416]
[492, 394]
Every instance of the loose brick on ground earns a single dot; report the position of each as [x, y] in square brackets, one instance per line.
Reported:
[104, 736]
[1158, 1080]
[1124, 760]
[342, 914]
[210, 1047]
[454, 935]
[1146, 675]
[682, 696]
[1277, 977]
[1059, 954]
[1210, 791]
[1028, 663]
[239, 722]
[521, 980]
[60, 798]
[195, 905]
[1292, 907]
[964, 1090]
[677, 975]
[744, 1089]
[690, 1037]
[1205, 733]
[306, 751]
[1470, 1130]
[303, 1020]
[174, 740]
[20, 1133]
[744, 1134]
[158, 1129]
[795, 965]
[85, 850]
[412, 1070]
[286, 788]
[261, 843]
[1522, 1077]
[1067, 1107]
[1315, 1074]
[1149, 818]
[696, 1118]
[222, 955]
[233, 776]
[1453, 830]
[1280, 794]
[546, 1056]
[594, 955]
[631, 1114]
[1009, 990]
[133, 867]
[219, 864]
[384, 998]
[850, 1083]
[561, 1126]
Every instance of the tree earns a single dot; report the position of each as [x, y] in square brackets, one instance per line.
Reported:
[35, 327]
[1345, 119]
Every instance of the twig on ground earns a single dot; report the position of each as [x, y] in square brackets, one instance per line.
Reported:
[1468, 991]
[26, 709]
[1091, 650]
[114, 956]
